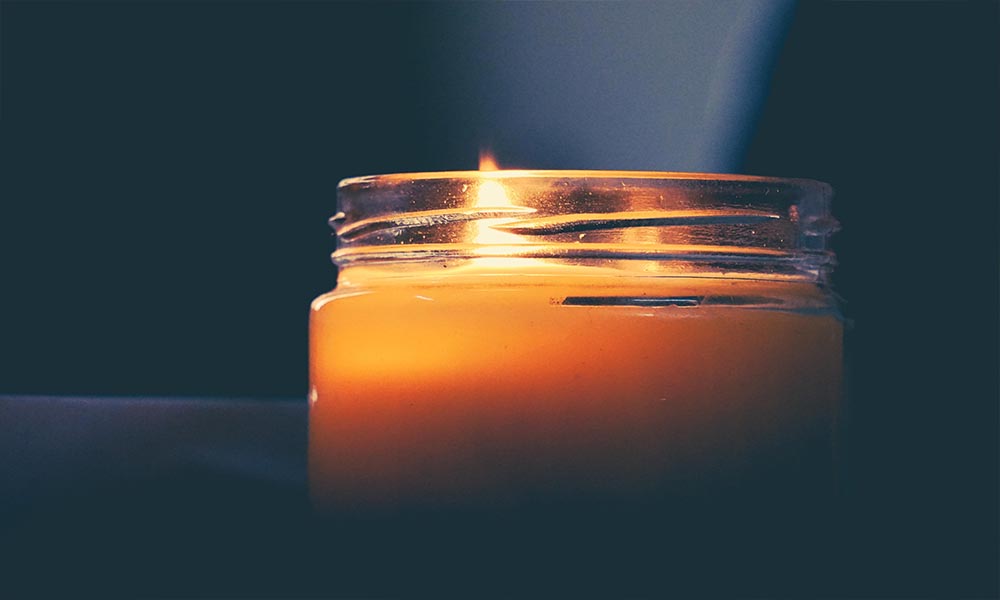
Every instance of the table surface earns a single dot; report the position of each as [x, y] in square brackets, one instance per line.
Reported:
[152, 496]
[59, 446]
[182, 497]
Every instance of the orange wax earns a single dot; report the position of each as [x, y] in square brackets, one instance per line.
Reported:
[486, 390]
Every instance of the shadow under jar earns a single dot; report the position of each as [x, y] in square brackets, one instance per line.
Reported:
[620, 379]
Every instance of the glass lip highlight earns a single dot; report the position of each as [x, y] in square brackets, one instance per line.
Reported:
[556, 174]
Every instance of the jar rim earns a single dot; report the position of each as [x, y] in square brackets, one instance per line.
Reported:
[665, 176]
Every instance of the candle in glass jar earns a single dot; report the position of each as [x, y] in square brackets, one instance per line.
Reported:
[574, 337]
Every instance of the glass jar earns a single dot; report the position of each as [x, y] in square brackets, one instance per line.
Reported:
[661, 347]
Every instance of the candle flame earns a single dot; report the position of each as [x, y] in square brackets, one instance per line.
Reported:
[487, 162]
[491, 193]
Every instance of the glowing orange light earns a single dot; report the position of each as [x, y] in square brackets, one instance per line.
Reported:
[491, 194]
[487, 162]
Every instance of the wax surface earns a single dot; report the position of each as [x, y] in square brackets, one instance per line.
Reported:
[492, 391]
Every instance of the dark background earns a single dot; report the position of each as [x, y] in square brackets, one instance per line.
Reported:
[167, 170]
